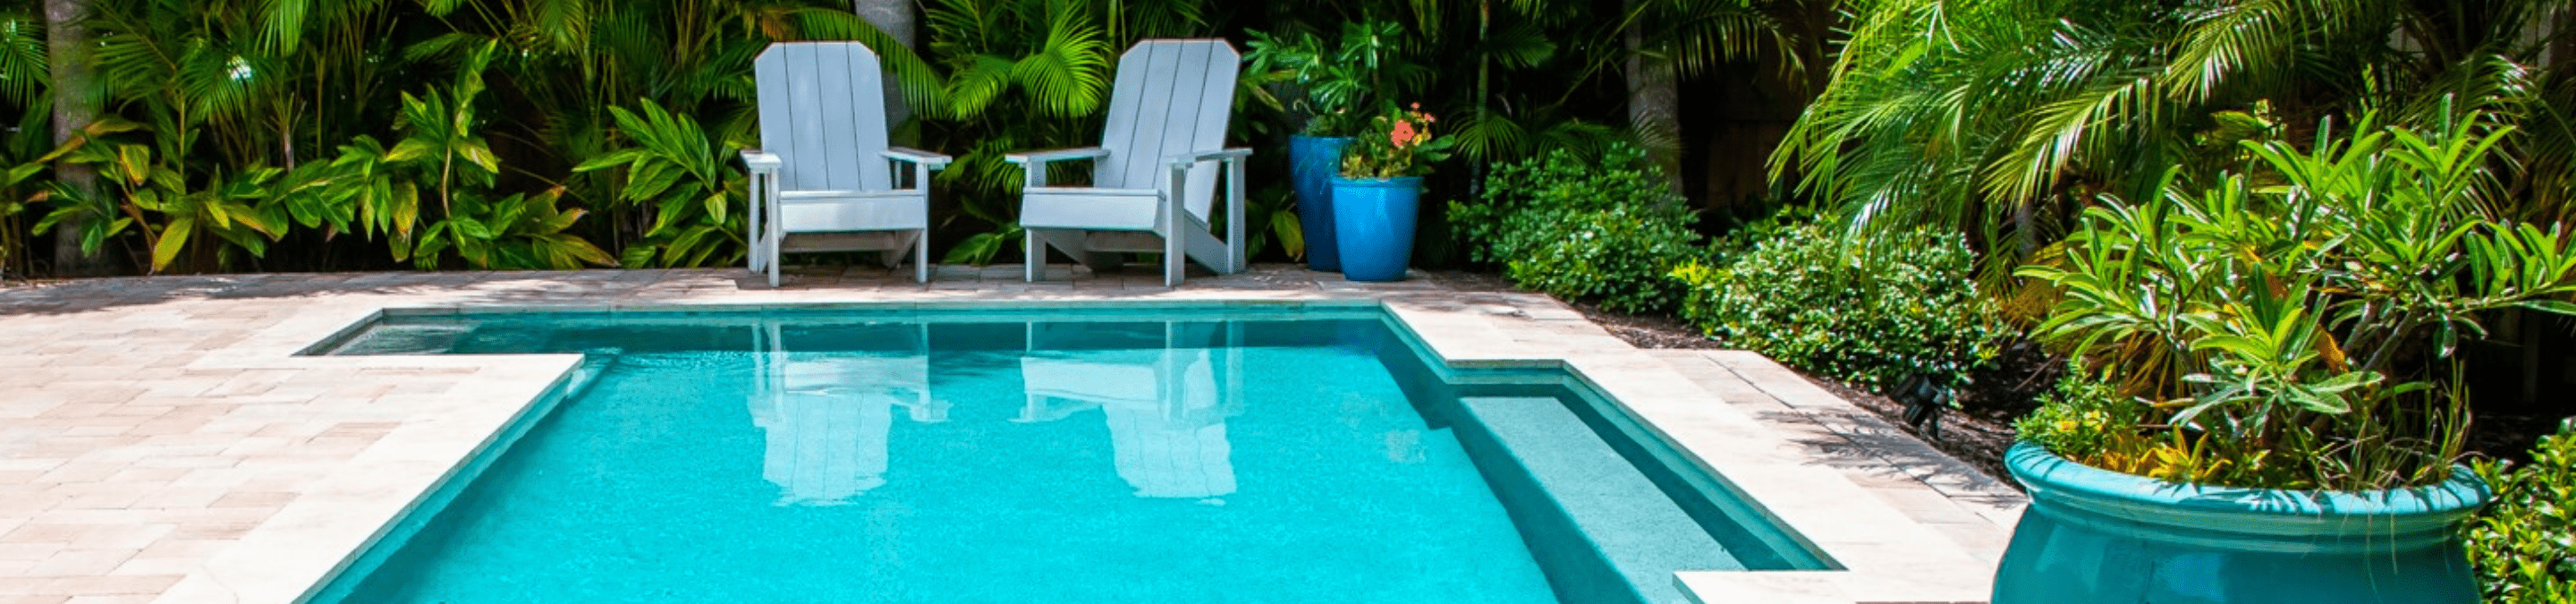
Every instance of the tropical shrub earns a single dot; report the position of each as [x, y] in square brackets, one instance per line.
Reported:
[1903, 305]
[690, 181]
[1617, 256]
[147, 188]
[2003, 119]
[2524, 543]
[1361, 75]
[2294, 328]
[2081, 413]
[1596, 229]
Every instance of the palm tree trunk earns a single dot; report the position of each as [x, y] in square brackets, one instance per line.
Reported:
[1654, 102]
[2562, 53]
[76, 104]
[897, 18]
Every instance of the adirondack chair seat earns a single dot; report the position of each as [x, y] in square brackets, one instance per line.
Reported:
[840, 211]
[826, 181]
[1155, 175]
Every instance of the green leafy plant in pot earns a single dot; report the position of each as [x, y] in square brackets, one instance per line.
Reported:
[2269, 408]
[1334, 84]
[1379, 192]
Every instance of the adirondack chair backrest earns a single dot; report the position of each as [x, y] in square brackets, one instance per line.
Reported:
[822, 112]
[1170, 97]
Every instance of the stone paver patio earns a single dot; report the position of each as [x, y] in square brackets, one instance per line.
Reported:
[160, 442]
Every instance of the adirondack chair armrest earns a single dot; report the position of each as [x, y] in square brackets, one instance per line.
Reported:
[759, 161]
[1186, 159]
[1042, 157]
[933, 160]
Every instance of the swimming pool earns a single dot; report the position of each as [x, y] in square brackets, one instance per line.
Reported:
[1290, 454]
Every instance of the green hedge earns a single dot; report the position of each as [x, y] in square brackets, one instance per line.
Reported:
[1601, 229]
[2524, 544]
[1872, 316]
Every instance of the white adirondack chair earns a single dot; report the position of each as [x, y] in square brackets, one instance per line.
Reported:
[1153, 176]
[824, 180]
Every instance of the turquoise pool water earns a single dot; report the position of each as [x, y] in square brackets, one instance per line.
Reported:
[1017, 457]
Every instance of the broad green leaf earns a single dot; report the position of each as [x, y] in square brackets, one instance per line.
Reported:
[638, 255]
[135, 163]
[1286, 225]
[475, 151]
[250, 217]
[410, 150]
[560, 221]
[650, 179]
[610, 160]
[667, 218]
[469, 229]
[581, 249]
[406, 208]
[173, 239]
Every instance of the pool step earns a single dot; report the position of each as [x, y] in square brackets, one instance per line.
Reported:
[1603, 530]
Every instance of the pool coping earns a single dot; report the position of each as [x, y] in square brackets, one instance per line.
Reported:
[1887, 556]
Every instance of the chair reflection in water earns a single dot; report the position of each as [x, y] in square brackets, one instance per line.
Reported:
[1165, 395]
[826, 413]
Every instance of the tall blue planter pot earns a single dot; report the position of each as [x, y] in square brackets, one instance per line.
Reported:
[1374, 219]
[2093, 535]
[1312, 162]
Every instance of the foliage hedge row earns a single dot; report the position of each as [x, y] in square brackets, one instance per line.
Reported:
[2524, 545]
[1873, 314]
[1601, 229]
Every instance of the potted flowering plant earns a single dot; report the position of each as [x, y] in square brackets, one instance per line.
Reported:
[2277, 412]
[1334, 82]
[1379, 191]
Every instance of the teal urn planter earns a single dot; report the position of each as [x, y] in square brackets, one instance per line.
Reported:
[2094, 535]
[1312, 162]
[1373, 218]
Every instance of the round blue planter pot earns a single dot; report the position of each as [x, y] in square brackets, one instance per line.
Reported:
[1374, 220]
[2094, 535]
[1312, 162]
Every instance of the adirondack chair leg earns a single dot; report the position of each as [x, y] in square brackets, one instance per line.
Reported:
[1175, 255]
[921, 258]
[758, 200]
[1234, 218]
[1036, 244]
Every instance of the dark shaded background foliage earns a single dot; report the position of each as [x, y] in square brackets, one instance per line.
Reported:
[226, 91]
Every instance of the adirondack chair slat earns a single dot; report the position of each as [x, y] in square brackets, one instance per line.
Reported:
[822, 112]
[1131, 166]
[1121, 128]
[772, 67]
[840, 161]
[1169, 98]
[1160, 102]
[1215, 102]
[1205, 132]
[804, 93]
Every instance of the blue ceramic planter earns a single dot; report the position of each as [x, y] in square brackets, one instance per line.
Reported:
[1312, 162]
[1374, 220]
[2093, 535]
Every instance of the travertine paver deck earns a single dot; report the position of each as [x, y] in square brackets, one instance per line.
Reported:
[159, 442]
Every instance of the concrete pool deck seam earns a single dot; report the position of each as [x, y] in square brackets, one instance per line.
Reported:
[200, 373]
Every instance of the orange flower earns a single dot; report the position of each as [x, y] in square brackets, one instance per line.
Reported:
[1403, 133]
